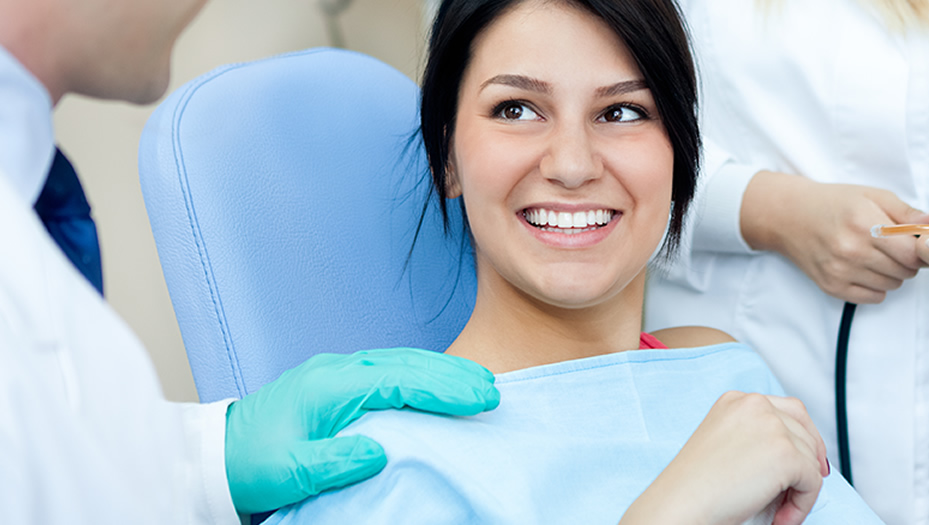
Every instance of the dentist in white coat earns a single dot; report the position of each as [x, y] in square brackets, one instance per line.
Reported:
[85, 434]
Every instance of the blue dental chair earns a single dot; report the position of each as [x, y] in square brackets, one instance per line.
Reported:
[284, 196]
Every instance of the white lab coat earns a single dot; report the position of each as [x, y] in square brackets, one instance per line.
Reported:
[85, 433]
[819, 88]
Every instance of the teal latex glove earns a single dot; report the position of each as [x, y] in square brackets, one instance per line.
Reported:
[279, 444]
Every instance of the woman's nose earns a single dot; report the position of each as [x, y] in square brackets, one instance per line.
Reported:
[571, 159]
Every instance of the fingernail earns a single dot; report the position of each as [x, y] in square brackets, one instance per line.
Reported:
[828, 468]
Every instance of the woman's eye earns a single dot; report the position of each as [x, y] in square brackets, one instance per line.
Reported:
[516, 111]
[622, 114]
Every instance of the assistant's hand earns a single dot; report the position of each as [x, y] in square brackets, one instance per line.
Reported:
[751, 451]
[279, 444]
[922, 249]
[825, 230]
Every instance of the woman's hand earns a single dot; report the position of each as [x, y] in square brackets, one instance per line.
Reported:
[825, 230]
[751, 451]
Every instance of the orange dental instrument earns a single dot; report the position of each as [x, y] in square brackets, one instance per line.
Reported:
[882, 230]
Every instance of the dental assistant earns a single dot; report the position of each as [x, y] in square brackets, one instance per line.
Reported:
[816, 115]
[85, 434]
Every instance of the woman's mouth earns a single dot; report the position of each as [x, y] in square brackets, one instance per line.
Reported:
[568, 223]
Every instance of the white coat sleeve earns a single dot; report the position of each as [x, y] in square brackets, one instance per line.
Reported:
[715, 218]
[205, 436]
[53, 472]
[713, 223]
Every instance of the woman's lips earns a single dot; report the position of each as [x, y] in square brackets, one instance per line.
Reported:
[577, 228]
[566, 220]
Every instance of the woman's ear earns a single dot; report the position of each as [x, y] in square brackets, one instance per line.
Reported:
[452, 187]
[452, 184]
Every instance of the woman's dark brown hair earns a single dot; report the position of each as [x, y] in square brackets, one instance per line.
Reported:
[652, 31]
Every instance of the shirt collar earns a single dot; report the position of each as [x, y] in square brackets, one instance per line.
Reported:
[27, 139]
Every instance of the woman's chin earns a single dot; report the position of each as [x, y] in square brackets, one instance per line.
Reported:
[574, 299]
[585, 291]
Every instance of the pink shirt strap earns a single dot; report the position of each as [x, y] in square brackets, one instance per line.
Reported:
[649, 341]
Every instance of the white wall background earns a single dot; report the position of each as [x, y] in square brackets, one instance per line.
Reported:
[101, 138]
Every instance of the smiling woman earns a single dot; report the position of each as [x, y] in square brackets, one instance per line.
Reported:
[557, 119]
[567, 131]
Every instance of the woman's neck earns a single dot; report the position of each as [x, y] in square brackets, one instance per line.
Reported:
[509, 330]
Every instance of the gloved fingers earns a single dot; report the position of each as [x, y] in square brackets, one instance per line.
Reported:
[355, 374]
[425, 360]
[291, 472]
[427, 381]
[433, 394]
[330, 463]
[399, 388]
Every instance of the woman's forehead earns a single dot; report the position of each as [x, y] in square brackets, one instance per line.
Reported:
[550, 41]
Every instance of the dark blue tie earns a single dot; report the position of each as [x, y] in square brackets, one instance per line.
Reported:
[66, 214]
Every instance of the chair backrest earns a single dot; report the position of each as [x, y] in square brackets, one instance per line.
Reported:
[284, 196]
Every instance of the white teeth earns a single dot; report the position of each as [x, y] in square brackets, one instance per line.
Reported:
[577, 221]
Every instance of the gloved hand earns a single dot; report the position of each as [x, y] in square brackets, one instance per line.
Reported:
[279, 444]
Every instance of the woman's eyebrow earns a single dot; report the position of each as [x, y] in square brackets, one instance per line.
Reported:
[620, 88]
[521, 82]
[540, 86]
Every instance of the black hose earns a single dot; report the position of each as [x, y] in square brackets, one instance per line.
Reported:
[841, 412]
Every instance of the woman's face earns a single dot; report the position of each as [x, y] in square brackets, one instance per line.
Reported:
[561, 158]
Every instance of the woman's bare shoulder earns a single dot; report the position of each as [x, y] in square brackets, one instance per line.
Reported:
[691, 336]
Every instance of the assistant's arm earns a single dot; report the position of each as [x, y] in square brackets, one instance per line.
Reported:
[824, 229]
